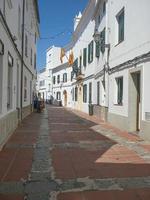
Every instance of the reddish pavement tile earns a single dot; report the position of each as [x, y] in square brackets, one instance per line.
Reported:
[15, 159]
[124, 134]
[76, 136]
[15, 163]
[74, 163]
[11, 197]
[133, 194]
[146, 147]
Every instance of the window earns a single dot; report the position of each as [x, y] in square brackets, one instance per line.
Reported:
[72, 94]
[65, 77]
[104, 8]
[90, 92]
[25, 89]
[84, 93]
[102, 36]
[98, 93]
[84, 57]
[120, 20]
[10, 82]
[34, 61]
[58, 79]
[35, 38]
[119, 82]
[31, 57]
[42, 83]
[19, 22]
[97, 49]
[54, 80]
[26, 46]
[90, 52]
[58, 96]
[76, 94]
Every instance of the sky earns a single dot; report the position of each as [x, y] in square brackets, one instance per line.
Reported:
[56, 24]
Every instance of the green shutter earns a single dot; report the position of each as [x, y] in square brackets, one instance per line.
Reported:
[84, 57]
[97, 49]
[89, 53]
[92, 45]
[103, 41]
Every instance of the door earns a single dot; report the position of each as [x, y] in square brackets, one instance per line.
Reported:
[65, 98]
[80, 96]
[135, 101]
[138, 78]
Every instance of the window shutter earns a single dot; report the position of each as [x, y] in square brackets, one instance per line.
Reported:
[92, 45]
[103, 41]
[97, 49]
[89, 53]
[84, 56]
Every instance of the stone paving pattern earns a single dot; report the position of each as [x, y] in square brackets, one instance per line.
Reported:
[61, 154]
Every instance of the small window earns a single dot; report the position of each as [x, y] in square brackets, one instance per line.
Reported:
[120, 21]
[84, 57]
[104, 8]
[25, 89]
[54, 80]
[31, 57]
[97, 49]
[65, 77]
[90, 52]
[103, 36]
[58, 96]
[76, 94]
[98, 93]
[119, 82]
[72, 94]
[58, 79]
[84, 93]
[10, 82]
[90, 92]
[34, 61]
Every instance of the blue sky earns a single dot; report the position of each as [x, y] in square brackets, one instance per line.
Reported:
[56, 21]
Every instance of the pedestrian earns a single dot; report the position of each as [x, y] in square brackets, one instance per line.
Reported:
[39, 103]
[35, 101]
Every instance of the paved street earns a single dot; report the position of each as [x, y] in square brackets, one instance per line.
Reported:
[67, 155]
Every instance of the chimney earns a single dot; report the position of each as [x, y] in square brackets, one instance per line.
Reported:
[77, 20]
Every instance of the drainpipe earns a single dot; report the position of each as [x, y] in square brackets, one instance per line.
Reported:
[22, 59]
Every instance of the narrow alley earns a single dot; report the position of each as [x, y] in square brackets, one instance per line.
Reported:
[66, 155]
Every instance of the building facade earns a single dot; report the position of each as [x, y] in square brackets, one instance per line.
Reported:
[111, 48]
[62, 85]
[111, 73]
[19, 31]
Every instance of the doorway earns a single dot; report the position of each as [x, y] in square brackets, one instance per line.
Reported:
[65, 98]
[135, 101]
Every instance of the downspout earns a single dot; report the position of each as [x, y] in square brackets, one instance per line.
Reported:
[22, 60]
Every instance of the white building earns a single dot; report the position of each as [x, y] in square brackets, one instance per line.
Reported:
[62, 85]
[19, 31]
[113, 76]
[44, 84]
[129, 62]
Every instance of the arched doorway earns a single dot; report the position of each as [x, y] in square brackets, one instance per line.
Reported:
[65, 97]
